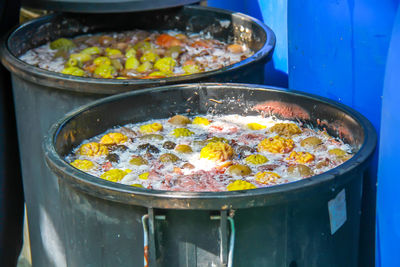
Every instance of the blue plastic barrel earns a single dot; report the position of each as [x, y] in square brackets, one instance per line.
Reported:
[11, 195]
[338, 49]
[274, 14]
[388, 202]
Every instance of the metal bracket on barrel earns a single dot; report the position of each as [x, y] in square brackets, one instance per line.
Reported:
[148, 237]
[226, 254]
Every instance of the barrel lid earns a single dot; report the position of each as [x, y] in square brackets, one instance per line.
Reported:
[104, 6]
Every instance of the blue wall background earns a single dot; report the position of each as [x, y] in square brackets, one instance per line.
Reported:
[338, 49]
[276, 70]
[388, 204]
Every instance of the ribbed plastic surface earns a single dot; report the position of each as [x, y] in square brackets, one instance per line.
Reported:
[338, 49]
[388, 203]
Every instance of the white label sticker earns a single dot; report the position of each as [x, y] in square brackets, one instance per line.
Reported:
[337, 211]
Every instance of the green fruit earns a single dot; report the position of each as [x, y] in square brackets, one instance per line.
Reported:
[81, 57]
[183, 149]
[165, 64]
[168, 157]
[94, 50]
[138, 160]
[131, 63]
[130, 53]
[105, 71]
[112, 52]
[158, 74]
[117, 64]
[73, 62]
[174, 51]
[239, 169]
[145, 67]
[73, 71]
[144, 46]
[149, 57]
[62, 44]
[191, 69]
[102, 61]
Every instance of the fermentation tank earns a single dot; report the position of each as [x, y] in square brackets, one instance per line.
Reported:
[311, 222]
[41, 97]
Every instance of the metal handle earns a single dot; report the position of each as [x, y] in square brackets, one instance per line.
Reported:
[231, 237]
[231, 241]
[145, 219]
[145, 223]
[223, 218]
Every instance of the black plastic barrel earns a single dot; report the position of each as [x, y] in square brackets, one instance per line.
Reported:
[11, 194]
[42, 97]
[312, 222]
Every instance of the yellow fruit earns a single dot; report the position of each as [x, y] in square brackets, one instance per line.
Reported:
[144, 46]
[130, 53]
[240, 185]
[181, 132]
[239, 169]
[285, 129]
[149, 57]
[179, 120]
[144, 176]
[337, 152]
[267, 177]
[191, 69]
[150, 128]
[183, 149]
[113, 138]
[102, 61]
[341, 155]
[93, 149]
[73, 62]
[255, 126]
[112, 52]
[73, 71]
[256, 159]
[105, 71]
[158, 74]
[168, 157]
[311, 141]
[94, 50]
[165, 64]
[145, 67]
[62, 44]
[217, 151]
[113, 175]
[81, 57]
[84, 165]
[301, 157]
[200, 120]
[276, 144]
[137, 185]
[138, 160]
[300, 170]
[132, 63]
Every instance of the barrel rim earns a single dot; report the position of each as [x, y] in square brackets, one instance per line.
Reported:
[112, 86]
[207, 200]
[104, 6]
